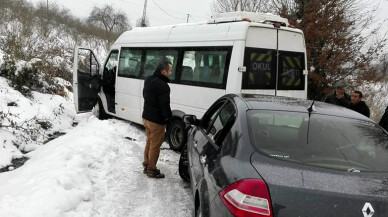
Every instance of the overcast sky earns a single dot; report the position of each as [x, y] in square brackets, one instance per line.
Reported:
[165, 12]
[159, 12]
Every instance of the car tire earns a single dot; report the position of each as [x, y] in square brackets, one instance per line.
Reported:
[99, 111]
[184, 165]
[177, 135]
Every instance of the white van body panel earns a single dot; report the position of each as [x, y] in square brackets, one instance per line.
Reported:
[128, 95]
[196, 99]
[261, 37]
[234, 80]
[192, 99]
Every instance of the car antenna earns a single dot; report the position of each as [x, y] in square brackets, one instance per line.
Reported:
[310, 110]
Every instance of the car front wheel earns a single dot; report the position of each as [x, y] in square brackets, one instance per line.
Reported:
[184, 165]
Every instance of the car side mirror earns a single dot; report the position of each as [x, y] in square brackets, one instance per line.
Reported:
[190, 119]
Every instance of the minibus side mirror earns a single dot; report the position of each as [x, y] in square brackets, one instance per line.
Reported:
[191, 120]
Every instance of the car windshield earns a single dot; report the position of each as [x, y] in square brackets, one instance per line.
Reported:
[321, 140]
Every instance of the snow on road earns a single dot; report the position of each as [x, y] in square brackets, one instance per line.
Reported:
[94, 170]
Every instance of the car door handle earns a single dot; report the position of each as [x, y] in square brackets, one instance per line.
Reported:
[203, 158]
[195, 144]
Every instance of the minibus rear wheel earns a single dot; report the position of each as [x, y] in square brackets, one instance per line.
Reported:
[177, 135]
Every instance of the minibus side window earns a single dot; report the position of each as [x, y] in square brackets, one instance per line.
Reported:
[291, 66]
[111, 66]
[205, 67]
[261, 69]
[130, 62]
[153, 57]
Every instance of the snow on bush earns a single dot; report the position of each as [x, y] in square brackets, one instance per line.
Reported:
[26, 123]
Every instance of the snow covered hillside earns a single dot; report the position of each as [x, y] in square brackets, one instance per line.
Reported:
[94, 169]
[27, 123]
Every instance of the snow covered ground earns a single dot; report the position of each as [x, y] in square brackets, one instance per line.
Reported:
[93, 170]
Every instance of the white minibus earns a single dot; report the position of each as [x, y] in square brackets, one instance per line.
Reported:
[238, 52]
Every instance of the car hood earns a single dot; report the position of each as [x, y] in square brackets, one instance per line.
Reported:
[299, 190]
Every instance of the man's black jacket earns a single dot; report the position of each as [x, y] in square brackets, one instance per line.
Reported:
[156, 93]
[361, 108]
[384, 120]
[332, 99]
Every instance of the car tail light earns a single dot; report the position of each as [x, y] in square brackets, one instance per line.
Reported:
[248, 197]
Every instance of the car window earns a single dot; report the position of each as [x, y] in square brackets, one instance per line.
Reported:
[291, 71]
[130, 61]
[111, 63]
[204, 66]
[153, 57]
[321, 140]
[210, 114]
[261, 69]
[221, 119]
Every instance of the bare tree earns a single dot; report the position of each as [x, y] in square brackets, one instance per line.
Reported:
[338, 46]
[114, 22]
[220, 6]
[384, 64]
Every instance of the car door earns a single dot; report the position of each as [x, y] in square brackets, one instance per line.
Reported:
[216, 124]
[208, 139]
[109, 80]
[86, 79]
[200, 140]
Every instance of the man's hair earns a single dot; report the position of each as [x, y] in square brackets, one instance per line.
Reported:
[162, 65]
[358, 92]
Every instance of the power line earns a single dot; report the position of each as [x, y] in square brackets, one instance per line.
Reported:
[167, 12]
[193, 18]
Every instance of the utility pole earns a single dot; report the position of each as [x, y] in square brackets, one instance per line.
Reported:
[188, 15]
[143, 21]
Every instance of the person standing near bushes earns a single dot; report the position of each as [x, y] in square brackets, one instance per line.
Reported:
[384, 120]
[339, 97]
[156, 114]
[358, 105]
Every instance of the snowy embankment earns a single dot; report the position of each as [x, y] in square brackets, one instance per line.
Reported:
[27, 123]
[94, 170]
[375, 96]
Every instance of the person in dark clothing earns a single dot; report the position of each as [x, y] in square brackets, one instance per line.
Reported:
[339, 97]
[358, 105]
[384, 120]
[156, 114]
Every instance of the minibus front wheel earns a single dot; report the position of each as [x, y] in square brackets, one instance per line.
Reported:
[99, 111]
[177, 135]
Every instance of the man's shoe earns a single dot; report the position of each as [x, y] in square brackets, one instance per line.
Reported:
[154, 173]
[145, 168]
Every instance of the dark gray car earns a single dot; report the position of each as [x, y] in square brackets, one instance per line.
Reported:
[254, 155]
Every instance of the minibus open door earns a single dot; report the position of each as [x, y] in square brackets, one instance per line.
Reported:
[86, 79]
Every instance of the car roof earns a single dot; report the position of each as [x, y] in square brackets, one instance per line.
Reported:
[280, 103]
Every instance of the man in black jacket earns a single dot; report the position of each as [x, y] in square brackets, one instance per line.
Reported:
[339, 97]
[358, 105]
[156, 114]
[384, 120]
